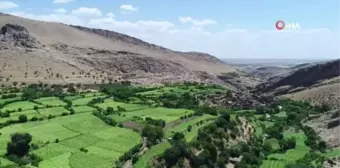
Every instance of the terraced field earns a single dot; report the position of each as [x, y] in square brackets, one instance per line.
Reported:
[292, 155]
[15, 115]
[184, 125]
[83, 109]
[273, 164]
[56, 111]
[52, 101]
[165, 114]
[60, 139]
[127, 106]
[3, 101]
[23, 105]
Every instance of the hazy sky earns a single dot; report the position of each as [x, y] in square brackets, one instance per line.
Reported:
[224, 28]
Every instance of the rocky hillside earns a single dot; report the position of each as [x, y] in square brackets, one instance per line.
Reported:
[118, 37]
[317, 83]
[33, 51]
[267, 72]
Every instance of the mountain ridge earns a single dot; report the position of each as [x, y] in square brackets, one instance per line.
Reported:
[318, 83]
[85, 55]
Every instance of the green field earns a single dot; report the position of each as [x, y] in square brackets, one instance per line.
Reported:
[60, 138]
[84, 100]
[52, 101]
[148, 155]
[273, 164]
[332, 153]
[184, 125]
[73, 97]
[165, 114]
[300, 138]
[274, 143]
[104, 143]
[115, 104]
[53, 111]
[2, 101]
[15, 115]
[24, 105]
[258, 128]
[281, 114]
[59, 161]
[189, 136]
[291, 155]
[83, 109]
[94, 94]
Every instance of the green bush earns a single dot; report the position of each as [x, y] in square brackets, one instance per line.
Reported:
[22, 118]
[34, 118]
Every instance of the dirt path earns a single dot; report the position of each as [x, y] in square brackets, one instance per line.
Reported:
[128, 163]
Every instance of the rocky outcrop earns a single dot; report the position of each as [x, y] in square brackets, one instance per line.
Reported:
[114, 36]
[131, 63]
[18, 36]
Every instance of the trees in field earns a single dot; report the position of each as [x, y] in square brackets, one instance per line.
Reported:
[205, 109]
[109, 110]
[173, 100]
[19, 144]
[153, 133]
[286, 144]
[4, 114]
[35, 91]
[18, 150]
[7, 96]
[159, 122]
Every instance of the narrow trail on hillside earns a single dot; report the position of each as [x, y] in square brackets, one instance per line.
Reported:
[128, 163]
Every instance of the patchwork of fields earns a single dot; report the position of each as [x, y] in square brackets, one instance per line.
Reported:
[143, 111]
[104, 143]
[279, 160]
[71, 135]
[82, 140]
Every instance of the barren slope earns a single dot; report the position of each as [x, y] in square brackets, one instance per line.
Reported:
[58, 53]
[316, 83]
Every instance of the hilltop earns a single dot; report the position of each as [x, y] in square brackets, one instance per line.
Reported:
[49, 52]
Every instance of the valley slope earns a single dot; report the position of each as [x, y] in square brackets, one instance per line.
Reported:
[317, 83]
[48, 52]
